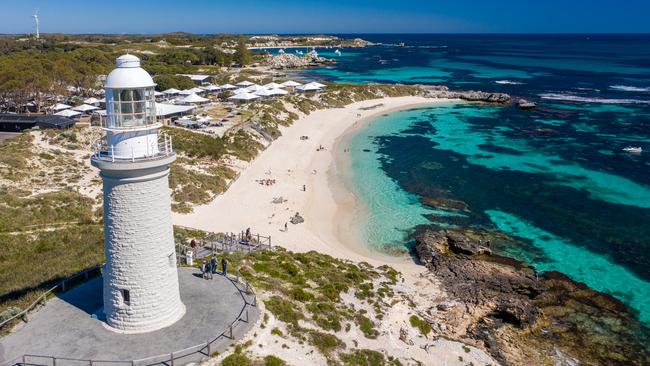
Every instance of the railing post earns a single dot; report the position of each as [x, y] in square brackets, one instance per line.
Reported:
[172, 357]
[24, 362]
[53, 361]
[231, 337]
[63, 286]
[209, 348]
[247, 314]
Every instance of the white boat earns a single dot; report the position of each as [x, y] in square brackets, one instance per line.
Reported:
[299, 52]
[337, 52]
[633, 149]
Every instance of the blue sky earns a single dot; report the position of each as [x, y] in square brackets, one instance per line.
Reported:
[329, 16]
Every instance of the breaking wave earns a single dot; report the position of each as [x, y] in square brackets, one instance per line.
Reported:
[508, 82]
[630, 88]
[577, 98]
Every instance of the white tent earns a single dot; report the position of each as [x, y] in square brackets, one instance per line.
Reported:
[67, 113]
[244, 96]
[193, 98]
[158, 94]
[228, 87]
[186, 92]
[308, 87]
[291, 84]
[85, 108]
[91, 100]
[263, 93]
[171, 91]
[61, 106]
[196, 90]
[245, 83]
[253, 88]
[273, 86]
[240, 90]
[315, 84]
[277, 91]
[211, 88]
[163, 109]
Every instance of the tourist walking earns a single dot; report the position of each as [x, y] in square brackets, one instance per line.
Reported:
[286, 228]
[224, 266]
[203, 269]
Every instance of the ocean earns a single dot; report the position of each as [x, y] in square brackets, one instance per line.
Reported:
[555, 178]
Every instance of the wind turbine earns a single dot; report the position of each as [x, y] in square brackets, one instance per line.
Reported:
[35, 16]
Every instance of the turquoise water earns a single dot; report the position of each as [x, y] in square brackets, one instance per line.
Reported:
[394, 212]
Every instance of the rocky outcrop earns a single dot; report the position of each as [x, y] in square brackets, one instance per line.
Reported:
[523, 318]
[441, 91]
[524, 104]
[289, 61]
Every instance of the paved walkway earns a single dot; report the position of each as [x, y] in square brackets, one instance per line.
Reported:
[65, 328]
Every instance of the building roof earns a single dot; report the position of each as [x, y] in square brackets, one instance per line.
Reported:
[163, 109]
[42, 121]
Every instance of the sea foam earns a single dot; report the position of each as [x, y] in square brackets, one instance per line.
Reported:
[508, 82]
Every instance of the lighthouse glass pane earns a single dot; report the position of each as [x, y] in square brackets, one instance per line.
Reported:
[129, 108]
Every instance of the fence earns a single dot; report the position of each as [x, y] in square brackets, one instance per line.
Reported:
[63, 286]
[168, 359]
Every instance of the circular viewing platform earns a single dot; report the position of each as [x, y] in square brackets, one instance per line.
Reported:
[66, 332]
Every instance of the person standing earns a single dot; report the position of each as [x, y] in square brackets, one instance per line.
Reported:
[224, 265]
[203, 269]
[208, 271]
[213, 264]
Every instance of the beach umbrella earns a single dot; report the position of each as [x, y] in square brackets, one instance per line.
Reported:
[85, 108]
[245, 83]
[67, 113]
[315, 84]
[185, 92]
[197, 90]
[228, 87]
[61, 106]
[171, 91]
[291, 84]
[211, 88]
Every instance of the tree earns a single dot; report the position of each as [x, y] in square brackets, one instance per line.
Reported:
[165, 82]
[243, 54]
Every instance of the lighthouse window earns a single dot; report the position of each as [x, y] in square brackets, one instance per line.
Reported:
[130, 107]
[126, 297]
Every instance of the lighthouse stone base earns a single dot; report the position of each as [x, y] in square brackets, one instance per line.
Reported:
[141, 291]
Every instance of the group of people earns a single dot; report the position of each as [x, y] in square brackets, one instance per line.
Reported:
[209, 268]
[320, 148]
[267, 182]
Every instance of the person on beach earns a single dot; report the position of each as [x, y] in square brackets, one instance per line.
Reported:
[286, 228]
[304, 188]
[224, 265]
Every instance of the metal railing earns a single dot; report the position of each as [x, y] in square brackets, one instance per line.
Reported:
[168, 359]
[63, 285]
[104, 151]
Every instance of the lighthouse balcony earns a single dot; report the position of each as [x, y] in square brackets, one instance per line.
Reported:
[160, 149]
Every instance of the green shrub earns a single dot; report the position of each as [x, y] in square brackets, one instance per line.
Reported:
[324, 342]
[367, 327]
[366, 357]
[423, 326]
[273, 361]
[236, 359]
[283, 309]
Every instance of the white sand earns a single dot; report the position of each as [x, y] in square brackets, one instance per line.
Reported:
[325, 206]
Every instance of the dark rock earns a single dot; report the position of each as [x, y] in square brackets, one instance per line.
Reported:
[524, 104]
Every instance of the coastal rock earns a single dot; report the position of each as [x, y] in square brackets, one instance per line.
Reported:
[297, 219]
[523, 318]
[438, 91]
[524, 104]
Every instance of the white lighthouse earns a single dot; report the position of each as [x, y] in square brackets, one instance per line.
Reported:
[141, 292]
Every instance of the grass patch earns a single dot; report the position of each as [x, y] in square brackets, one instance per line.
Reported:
[367, 357]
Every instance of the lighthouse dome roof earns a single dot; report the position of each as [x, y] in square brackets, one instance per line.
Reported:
[128, 74]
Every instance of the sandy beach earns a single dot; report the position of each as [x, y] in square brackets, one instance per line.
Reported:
[328, 208]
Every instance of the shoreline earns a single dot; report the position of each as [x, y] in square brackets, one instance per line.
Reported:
[328, 206]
